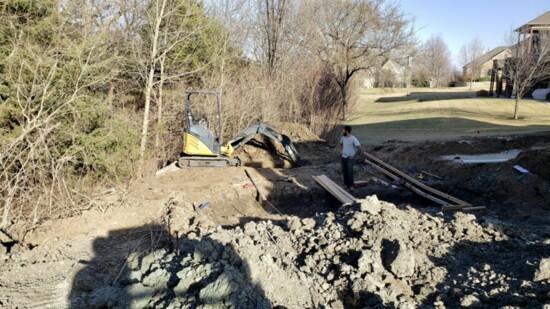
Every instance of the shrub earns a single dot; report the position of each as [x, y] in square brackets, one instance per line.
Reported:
[482, 93]
[484, 79]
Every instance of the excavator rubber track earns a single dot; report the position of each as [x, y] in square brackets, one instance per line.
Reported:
[188, 161]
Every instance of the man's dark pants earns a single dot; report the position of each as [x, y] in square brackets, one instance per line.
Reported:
[347, 171]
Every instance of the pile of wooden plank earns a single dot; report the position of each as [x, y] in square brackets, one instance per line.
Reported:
[334, 189]
[447, 201]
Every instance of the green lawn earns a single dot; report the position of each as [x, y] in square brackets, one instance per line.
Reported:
[440, 114]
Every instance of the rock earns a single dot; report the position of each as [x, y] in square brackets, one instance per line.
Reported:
[150, 261]
[337, 304]
[309, 224]
[133, 261]
[157, 278]
[250, 228]
[371, 204]
[543, 273]
[461, 218]
[294, 224]
[217, 291]
[365, 262]
[399, 258]
[136, 296]
[187, 278]
[132, 277]
[470, 301]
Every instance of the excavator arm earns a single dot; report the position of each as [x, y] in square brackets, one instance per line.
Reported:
[262, 128]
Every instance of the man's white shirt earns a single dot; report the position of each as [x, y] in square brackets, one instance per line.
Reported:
[349, 143]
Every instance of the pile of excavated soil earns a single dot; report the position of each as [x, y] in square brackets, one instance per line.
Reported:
[262, 152]
[372, 254]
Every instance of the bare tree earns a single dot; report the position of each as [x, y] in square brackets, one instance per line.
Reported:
[170, 50]
[274, 12]
[354, 35]
[157, 15]
[434, 61]
[469, 55]
[530, 65]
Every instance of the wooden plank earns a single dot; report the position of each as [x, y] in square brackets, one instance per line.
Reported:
[432, 175]
[461, 207]
[337, 194]
[337, 187]
[445, 205]
[416, 182]
[332, 188]
[408, 185]
[260, 194]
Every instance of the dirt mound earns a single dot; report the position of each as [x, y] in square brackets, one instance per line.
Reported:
[297, 132]
[262, 152]
[536, 160]
[354, 258]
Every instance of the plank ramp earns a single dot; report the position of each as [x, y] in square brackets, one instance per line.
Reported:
[334, 189]
[447, 201]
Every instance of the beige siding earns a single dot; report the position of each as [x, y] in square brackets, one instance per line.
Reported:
[487, 66]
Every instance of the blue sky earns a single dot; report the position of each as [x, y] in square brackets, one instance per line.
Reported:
[460, 21]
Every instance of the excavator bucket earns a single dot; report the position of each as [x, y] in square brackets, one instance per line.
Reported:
[264, 129]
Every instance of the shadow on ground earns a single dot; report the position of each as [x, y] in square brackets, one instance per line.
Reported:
[493, 274]
[417, 130]
[145, 267]
[427, 96]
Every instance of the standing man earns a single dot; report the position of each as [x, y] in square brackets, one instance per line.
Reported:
[348, 149]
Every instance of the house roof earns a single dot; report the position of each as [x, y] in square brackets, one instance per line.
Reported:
[490, 54]
[542, 20]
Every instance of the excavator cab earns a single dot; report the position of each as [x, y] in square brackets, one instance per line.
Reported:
[198, 137]
[202, 139]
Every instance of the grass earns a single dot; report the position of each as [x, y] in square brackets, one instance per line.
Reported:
[442, 114]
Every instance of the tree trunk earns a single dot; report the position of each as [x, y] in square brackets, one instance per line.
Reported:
[516, 116]
[149, 87]
[145, 127]
[344, 101]
[159, 107]
[516, 107]
[6, 214]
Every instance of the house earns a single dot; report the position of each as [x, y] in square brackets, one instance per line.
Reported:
[390, 74]
[528, 33]
[485, 62]
[529, 41]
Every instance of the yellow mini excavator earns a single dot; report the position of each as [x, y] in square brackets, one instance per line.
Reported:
[203, 146]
